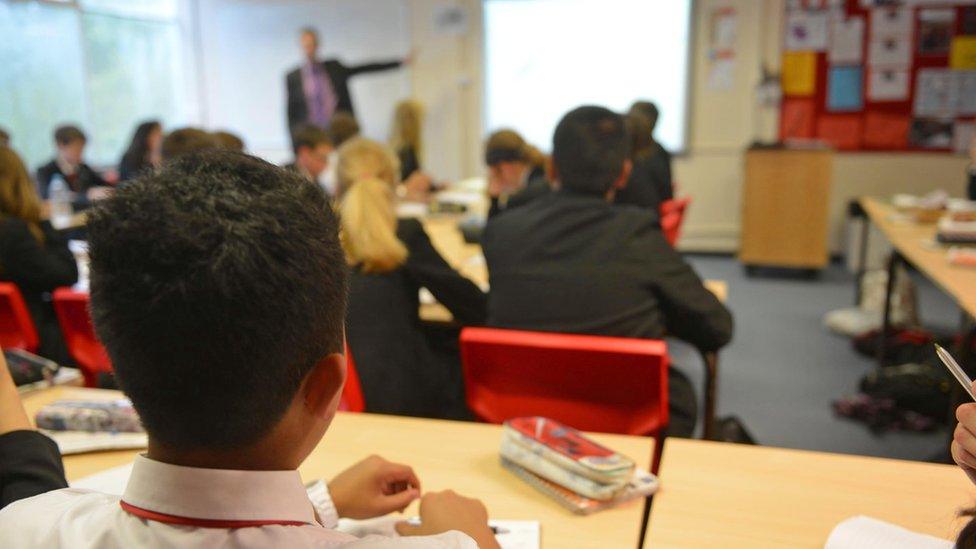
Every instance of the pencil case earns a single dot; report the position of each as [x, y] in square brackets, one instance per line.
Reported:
[85, 415]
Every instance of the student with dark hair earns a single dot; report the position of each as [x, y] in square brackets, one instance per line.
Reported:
[651, 184]
[218, 287]
[144, 152]
[313, 151]
[33, 255]
[69, 164]
[228, 141]
[572, 262]
[185, 141]
[516, 171]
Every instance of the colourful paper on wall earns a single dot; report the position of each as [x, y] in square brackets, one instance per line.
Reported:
[842, 132]
[806, 30]
[931, 133]
[846, 41]
[844, 89]
[936, 93]
[886, 131]
[888, 84]
[963, 54]
[799, 73]
[797, 119]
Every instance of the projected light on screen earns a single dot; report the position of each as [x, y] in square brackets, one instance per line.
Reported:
[544, 57]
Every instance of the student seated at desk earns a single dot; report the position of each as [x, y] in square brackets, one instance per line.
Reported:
[33, 255]
[570, 261]
[184, 141]
[218, 288]
[650, 182]
[391, 260]
[407, 141]
[516, 171]
[313, 151]
[69, 165]
[144, 152]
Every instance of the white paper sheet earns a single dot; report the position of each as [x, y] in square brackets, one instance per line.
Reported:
[512, 534]
[936, 93]
[966, 94]
[846, 37]
[888, 84]
[887, 22]
[869, 533]
[721, 75]
[806, 31]
[890, 52]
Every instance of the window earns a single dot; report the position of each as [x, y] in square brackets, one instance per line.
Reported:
[105, 65]
[545, 57]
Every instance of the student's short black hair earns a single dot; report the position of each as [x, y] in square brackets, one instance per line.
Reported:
[187, 140]
[589, 149]
[646, 109]
[217, 283]
[307, 135]
[68, 134]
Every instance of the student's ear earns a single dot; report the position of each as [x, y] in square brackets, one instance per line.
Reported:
[324, 384]
[621, 181]
[552, 173]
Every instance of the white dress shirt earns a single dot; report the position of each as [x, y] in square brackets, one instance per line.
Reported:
[191, 508]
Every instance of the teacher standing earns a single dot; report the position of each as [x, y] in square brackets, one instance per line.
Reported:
[319, 89]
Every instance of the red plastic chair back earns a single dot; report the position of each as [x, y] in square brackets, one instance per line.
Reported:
[593, 383]
[16, 326]
[79, 336]
[672, 218]
[352, 392]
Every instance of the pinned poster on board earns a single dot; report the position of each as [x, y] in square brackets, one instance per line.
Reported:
[936, 93]
[799, 76]
[846, 41]
[935, 29]
[962, 137]
[885, 130]
[806, 30]
[891, 21]
[888, 84]
[891, 51]
[963, 53]
[844, 85]
[966, 96]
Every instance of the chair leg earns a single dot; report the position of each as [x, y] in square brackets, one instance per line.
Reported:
[711, 393]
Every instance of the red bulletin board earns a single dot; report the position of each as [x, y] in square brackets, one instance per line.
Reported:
[810, 111]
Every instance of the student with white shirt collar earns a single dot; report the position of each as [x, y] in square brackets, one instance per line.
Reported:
[218, 286]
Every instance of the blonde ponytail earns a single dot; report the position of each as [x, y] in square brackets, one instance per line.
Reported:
[368, 221]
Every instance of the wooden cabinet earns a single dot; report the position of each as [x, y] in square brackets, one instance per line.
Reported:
[784, 208]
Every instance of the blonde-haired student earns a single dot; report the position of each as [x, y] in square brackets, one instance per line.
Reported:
[218, 286]
[391, 260]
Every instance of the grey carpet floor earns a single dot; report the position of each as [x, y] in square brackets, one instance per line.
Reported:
[783, 369]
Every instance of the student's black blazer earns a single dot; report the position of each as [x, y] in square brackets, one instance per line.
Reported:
[650, 181]
[87, 178]
[409, 162]
[339, 74]
[575, 263]
[398, 372]
[537, 185]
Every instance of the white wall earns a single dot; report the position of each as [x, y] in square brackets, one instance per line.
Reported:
[247, 46]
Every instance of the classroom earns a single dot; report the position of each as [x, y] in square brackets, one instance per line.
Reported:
[506, 274]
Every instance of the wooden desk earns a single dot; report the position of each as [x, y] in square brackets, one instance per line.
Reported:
[727, 495]
[910, 240]
[445, 454]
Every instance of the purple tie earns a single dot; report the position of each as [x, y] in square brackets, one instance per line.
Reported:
[319, 94]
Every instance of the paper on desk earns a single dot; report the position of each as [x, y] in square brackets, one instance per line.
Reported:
[512, 534]
[79, 442]
[109, 481]
[868, 533]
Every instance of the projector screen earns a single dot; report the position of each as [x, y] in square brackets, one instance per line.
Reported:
[545, 57]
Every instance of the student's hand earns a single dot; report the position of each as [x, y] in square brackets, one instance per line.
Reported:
[372, 488]
[13, 417]
[964, 439]
[417, 185]
[99, 193]
[445, 511]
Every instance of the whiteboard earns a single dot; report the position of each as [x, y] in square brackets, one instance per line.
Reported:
[545, 57]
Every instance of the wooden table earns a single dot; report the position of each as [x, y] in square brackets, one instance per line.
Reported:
[729, 495]
[445, 454]
[910, 240]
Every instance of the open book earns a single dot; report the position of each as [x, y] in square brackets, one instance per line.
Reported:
[868, 533]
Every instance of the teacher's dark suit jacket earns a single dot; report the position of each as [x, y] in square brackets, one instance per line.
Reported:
[574, 263]
[339, 74]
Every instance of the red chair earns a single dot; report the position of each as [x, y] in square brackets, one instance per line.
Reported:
[352, 392]
[79, 336]
[592, 383]
[672, 217]
[16, 326]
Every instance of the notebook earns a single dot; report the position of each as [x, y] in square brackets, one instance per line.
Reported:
[511, 534]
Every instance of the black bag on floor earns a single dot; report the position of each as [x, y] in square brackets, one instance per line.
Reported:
[731, 429]
[920, 388]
